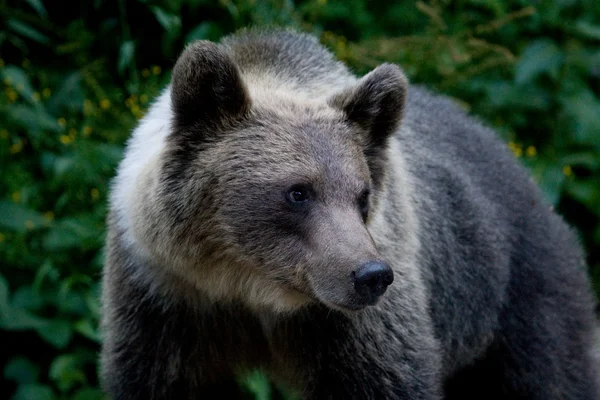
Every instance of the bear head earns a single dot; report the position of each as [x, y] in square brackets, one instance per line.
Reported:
[266, 197]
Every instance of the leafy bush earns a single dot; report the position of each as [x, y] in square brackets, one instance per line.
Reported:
[75, 78]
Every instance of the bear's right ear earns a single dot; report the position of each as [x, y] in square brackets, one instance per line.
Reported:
[206, 87]
[376, 102]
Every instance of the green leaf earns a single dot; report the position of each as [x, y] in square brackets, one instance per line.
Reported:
[72, 233]
[28, 298]
[58, 166]
[46, 272]
[586, 192]
[126, 54]
[60, 239]
[66, 371]
[34, 392]
[38, 6]
[92, 300]
[257, 384]
[68, 96]
[58, 333]
[100, 154]
[508, 95]
[89, 394]
[27, 31]
[88, 329]
[34, 119]
[20, 320]
[18, 218]
[551, 178]
[590, 160]
[583, 108]
[207, 30]
[170, 22]
[588, 29]
[21, 370]
[541, 56]
[19, 80]
[4, 302]
[71, 301]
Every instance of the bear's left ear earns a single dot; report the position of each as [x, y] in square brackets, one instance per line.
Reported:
[376, 102]
[206, 87]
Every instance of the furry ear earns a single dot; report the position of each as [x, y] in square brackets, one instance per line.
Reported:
[206, 86]
[376, 102]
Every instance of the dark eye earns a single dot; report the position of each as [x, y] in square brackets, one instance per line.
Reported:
[298, 194]
[363, 204]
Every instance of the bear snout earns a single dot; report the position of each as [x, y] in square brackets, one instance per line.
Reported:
[371, 280]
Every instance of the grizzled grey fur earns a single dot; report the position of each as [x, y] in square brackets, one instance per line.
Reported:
[259, 186]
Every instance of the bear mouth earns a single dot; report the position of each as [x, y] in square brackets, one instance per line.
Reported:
[298, 296]
[348, 308]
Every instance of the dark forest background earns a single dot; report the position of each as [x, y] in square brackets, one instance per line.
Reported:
[75, 77]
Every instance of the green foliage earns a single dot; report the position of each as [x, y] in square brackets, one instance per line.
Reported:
[76, 78]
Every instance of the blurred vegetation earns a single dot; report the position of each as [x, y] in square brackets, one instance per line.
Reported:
[76, 76]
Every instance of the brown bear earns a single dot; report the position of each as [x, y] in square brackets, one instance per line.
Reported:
[353, 238]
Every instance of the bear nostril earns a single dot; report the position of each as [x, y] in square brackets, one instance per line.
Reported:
[372, 279]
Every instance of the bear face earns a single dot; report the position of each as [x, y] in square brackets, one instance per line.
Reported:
[267, 199]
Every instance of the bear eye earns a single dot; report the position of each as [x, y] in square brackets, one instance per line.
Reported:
[298, 194]
[363, 204]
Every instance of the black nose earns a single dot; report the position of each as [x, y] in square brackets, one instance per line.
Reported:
[372, 279]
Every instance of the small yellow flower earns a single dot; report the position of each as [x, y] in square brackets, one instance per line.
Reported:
[49, 216]
[135, 109]
[3, 134]
[531, 151]
[105, 104]
[16, 197]
[16, 147]
[87, 107]
[87, 130]
[143, 99]
[36, 96]
[2, 237]
[11, 94]
[156, 70]
[129, 103]
[66, 139]
[145, 72]
[516, 148]
[29, 224]
[95, 193]
[62, 122]
[46, 92]
[72, 133]
[567, 170]
[25, 64]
